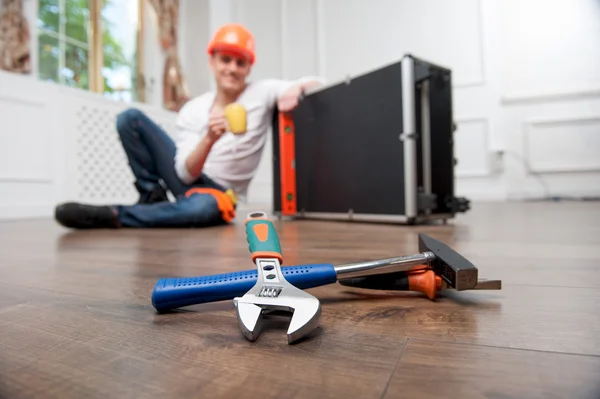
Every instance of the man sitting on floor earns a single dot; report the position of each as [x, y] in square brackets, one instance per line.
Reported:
[207, 167]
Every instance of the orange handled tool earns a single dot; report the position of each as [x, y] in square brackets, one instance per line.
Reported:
[420, 280]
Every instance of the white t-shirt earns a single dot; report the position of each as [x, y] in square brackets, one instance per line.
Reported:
[233, 159]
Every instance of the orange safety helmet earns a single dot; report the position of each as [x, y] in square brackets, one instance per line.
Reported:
[235, 38]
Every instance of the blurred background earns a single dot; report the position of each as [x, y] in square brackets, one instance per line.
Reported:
[526, 84]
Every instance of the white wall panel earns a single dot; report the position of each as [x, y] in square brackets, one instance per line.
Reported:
[30, 146]
[25, 138]
[299, 38]
[550, 44]
[194, 33]
[220, 12]
[471, 148]
[362, 35]
[263, 19]
[563, 145]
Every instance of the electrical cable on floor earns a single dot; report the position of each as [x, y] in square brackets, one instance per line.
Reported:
[545, 187]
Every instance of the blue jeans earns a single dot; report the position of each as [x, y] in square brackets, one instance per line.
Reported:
[151, 154]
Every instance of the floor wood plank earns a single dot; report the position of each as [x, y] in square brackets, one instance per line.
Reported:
[432, 369]
[76, 318]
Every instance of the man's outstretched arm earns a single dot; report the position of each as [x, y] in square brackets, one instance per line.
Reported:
[288, 100]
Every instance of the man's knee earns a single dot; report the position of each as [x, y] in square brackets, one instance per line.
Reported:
[200, 210]
[128, 119]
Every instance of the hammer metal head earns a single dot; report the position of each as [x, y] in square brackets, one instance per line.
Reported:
[273, 292]
[457, 271]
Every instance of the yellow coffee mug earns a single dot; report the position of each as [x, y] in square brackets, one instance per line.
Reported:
[236, 118]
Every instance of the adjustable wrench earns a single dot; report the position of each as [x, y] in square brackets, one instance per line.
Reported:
[451, 270]
[271, 290]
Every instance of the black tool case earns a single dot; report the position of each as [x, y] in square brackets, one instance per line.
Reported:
[375, 147]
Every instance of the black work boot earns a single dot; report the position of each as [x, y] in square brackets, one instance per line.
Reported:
[81, 216]
[159, 194]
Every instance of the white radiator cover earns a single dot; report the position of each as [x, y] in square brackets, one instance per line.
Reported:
[102, 172]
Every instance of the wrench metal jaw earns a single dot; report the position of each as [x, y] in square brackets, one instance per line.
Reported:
[249, 318]
[273, 292]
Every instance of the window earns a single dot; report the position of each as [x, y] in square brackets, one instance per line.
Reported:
[120, 48]
[63, 42]
[92, 45]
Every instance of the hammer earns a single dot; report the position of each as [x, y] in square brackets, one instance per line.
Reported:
[435, 267]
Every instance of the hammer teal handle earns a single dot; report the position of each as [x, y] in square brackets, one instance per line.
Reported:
[262, 237]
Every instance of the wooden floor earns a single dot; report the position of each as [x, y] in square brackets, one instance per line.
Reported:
[76, 319]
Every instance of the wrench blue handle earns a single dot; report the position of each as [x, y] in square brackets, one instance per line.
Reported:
[175, 292]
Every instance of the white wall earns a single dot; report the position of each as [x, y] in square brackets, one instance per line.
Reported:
[152, 56]
[526, 77]
[550, 98]
[527, 92]
[194, 31]
[60, 144]
[30, 145]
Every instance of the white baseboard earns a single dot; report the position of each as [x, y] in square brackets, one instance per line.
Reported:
[483, 196]
[14, 212]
